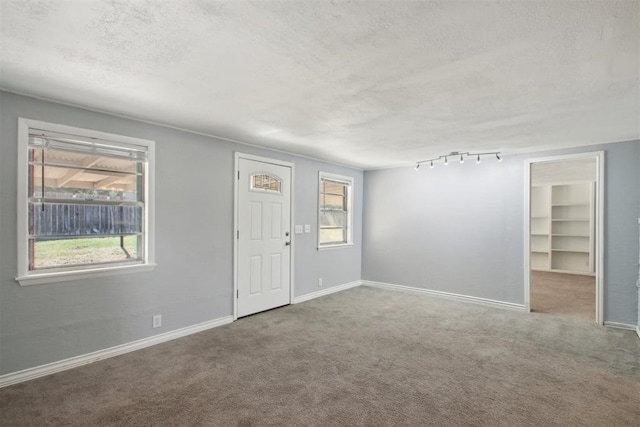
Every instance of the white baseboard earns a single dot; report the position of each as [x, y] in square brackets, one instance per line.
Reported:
[331, 290]
[446, 295]
[84, 359]
[618, 325]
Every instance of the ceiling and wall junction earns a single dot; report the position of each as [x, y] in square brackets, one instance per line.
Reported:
[365, 84]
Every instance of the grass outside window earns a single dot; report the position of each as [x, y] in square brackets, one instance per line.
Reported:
[83, 251]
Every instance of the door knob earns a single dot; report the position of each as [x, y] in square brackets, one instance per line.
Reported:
[287, 243]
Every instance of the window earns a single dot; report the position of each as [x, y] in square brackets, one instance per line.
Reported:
[263, 181]
[335, 216]
[85, 203]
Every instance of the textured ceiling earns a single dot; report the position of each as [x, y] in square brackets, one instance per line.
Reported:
[369, 84]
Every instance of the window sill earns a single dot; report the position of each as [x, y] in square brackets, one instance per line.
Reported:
[65, 276]
[328, 247]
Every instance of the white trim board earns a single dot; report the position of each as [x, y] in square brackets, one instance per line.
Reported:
[328, 291]
[618, 325]
[446, 295]
[85, 359]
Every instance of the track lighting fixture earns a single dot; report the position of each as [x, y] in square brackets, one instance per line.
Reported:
[463, 155]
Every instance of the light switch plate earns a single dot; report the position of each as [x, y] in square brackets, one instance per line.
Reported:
[298, 229]
[307, 228]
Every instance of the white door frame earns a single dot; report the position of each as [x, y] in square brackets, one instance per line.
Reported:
[236, 211]
[599, 225]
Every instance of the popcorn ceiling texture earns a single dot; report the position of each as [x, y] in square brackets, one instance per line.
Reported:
[368, 84]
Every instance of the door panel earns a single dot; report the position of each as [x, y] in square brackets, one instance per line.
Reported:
[276, 220]
[263, 251]
[255, 278]
[276, 271]
[256, 221]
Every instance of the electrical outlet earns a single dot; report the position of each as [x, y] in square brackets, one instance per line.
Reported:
[320, 282]
[157, 320]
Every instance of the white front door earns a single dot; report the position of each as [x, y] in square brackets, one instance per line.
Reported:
[264, 236]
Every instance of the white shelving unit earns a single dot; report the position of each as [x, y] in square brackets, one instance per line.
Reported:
[541, 227]
[562, 228]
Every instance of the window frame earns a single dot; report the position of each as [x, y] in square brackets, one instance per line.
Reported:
[36, 277]
[349, 182]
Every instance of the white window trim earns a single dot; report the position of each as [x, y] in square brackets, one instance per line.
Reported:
[24, 276]
[347, 180]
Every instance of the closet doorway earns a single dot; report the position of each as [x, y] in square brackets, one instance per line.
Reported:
[564, 236]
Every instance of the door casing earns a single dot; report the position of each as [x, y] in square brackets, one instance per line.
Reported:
[236, 210]
[599, 226]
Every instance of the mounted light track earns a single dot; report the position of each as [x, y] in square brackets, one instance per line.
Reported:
[463, 155]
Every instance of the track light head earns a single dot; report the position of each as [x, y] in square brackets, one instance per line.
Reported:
[478, 159]
[498, 157]
[431, 165]
[446, 161]
[417, 166]
[461, 159]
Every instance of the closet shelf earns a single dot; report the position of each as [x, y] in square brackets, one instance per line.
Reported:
[561, 227]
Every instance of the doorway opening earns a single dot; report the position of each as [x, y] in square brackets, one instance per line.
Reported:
[564, 236]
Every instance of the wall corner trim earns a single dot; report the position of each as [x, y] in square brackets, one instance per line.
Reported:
[446, 295]
[85, 359]
[618, 325]
[328, 291]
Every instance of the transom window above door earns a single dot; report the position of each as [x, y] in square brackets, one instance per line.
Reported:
[263, 181]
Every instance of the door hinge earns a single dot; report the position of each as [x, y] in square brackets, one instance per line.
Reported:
[238, 174]
[238, 294]
[238, 234]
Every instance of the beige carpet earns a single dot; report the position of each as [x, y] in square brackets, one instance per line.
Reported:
[570, 295]
[359, 357]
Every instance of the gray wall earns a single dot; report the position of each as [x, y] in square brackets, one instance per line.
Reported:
[452, 228]
[460, 228]
[194, 278]
[622, 175]
[335, 266]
